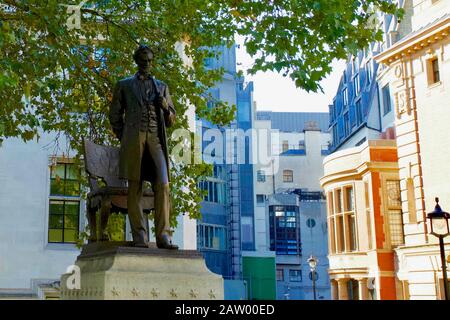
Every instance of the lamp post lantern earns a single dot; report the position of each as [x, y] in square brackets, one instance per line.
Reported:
[440, 229]
[312, 261]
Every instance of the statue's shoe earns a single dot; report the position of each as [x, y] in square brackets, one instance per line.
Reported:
[166, 243]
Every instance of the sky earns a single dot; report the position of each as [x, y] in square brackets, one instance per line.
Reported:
[274, 92]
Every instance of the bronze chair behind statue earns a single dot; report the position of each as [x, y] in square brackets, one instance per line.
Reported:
[107, 193]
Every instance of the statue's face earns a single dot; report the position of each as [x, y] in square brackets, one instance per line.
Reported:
[144, 61]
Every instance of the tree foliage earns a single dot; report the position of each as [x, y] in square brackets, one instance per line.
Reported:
[60, 79]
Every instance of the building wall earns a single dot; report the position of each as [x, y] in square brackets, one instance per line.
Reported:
[422, 133]
[287, 289]
[427, 11]
[359, 137]
[314, 238]
[359, 204]
[25, 254]
[304, 159]
[236, 213]
[212, 212]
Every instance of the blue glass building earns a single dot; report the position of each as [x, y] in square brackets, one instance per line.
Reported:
[226, 227]
[244, 122]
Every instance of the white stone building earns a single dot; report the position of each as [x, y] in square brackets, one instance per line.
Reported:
[417, 69]
[288, 190]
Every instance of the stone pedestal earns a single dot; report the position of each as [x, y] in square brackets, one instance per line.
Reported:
[119, 271]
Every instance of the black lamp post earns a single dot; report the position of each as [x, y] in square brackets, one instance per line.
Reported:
[440, 228]
[312, 265]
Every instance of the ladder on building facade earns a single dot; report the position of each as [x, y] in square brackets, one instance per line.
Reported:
[234, 215]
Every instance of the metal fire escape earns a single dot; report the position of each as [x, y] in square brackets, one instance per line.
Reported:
[234, 216]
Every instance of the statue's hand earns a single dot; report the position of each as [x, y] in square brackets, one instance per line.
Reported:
[162, 102]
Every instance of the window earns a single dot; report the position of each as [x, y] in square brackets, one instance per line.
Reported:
[261, 176]
[349, 199]
[331, 224]
[351, 223]
[386, 99]
[350, 218]
[360, 142]
[395, 219]
[359, 112]
[280, 275]
[288, 176]
[260, 198]
[285, 146]
[396, 227]
[218, 172]
[243, 111]
[338, 201]
[433, 71]
[64, 203]
[342, 220]
[356, 84]
[332, 241]
[345, 97]
[284, 230]
[211, 236]
[247, 229]
[295, 275]
[335, 136]
[346, 124]
[355, 64]
[369, 70]
[340, 233]
[435, 67]
[215, 190]
[301, 144]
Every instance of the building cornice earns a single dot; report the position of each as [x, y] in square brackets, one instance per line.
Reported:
[416, 42]
[369, 144]
[362, 162]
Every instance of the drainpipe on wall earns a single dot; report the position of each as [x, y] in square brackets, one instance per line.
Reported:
[273, 177]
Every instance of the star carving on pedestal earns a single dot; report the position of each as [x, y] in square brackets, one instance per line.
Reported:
[135, 292]
[193, 293]
[115, 292]
[212, 294]
[173, 293]
[155, 293]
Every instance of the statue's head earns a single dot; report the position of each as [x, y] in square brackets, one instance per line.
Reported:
[143, 56]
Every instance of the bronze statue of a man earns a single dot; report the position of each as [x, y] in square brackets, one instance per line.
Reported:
[140, 111]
